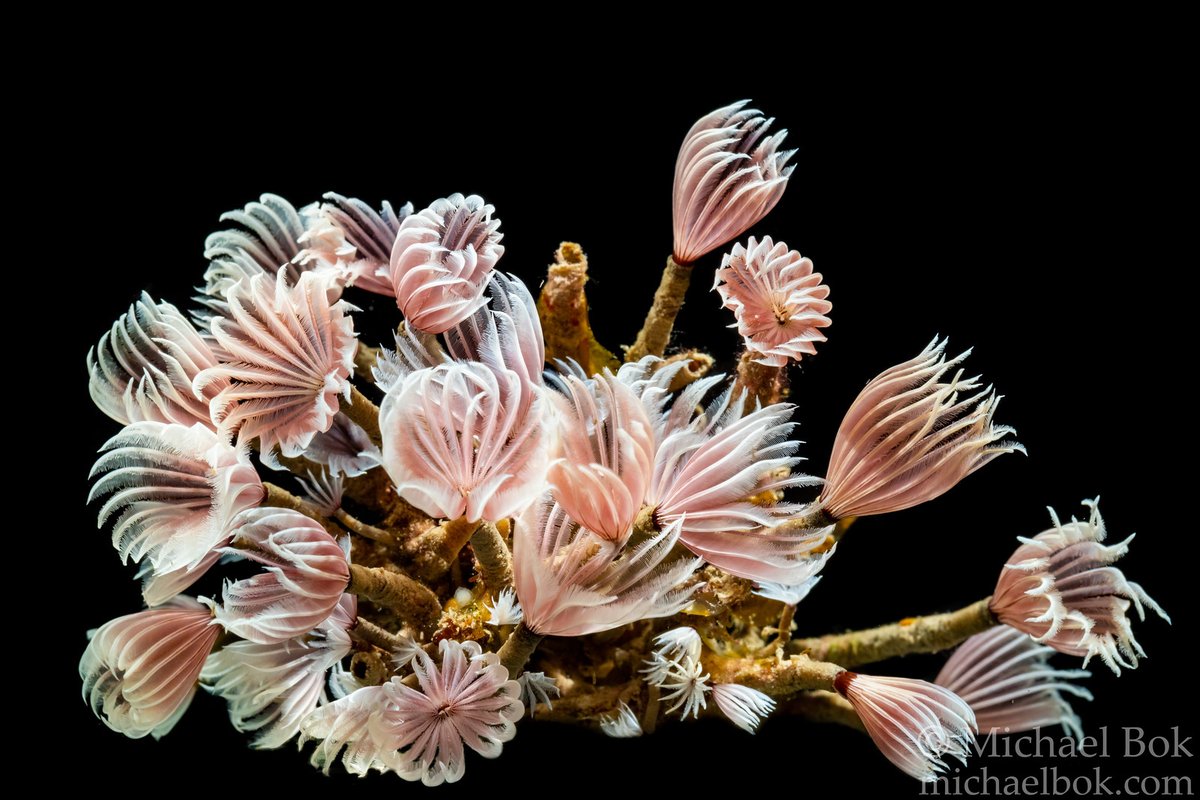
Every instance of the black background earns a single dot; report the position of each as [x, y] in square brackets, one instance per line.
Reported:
[1023, 214]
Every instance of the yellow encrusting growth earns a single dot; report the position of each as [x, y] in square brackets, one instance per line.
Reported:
[563, 309]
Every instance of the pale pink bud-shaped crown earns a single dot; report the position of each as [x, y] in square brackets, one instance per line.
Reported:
[306, 574]
[441, 260]
[467, 700]
[604, 454]
[779, 302]
[140, 671]
[290, 354]
[469, 437]
[1006, 679]
[174, 492]
[915, 724]
[143, 368]
[270, 688]
[572, 582]
[462, 439]
[1059, 588]
[728, 175]
[911, 435]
